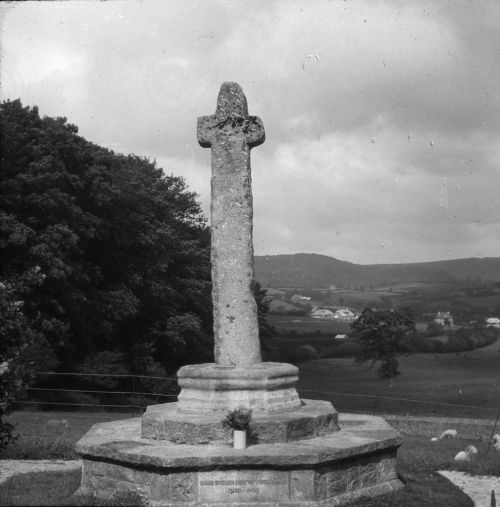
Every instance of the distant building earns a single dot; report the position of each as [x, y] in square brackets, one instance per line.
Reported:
[341, 337]
[344, 314]
[300, 300]
[493, 322]
[274, 293]
[321, 313]
[444, 318]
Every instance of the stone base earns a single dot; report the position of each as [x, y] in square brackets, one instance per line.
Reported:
[312, 419]
[358, 460]
[210, 388]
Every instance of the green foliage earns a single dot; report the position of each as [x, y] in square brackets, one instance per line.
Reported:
[459, 340]
[380, 334]
[266, 330]
[100, 254]
[304, 353]
[238, 419]
[22, 351]
[6, 435]
[107, 362]
[347, 348]
[433, 329]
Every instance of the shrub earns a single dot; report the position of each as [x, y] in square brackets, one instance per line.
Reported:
[345, 349]
[433, 329]
[305, 353]
[238, 419]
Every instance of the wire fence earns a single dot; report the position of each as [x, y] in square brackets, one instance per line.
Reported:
[63, 403]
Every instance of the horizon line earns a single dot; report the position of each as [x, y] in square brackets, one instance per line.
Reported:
[378, 263]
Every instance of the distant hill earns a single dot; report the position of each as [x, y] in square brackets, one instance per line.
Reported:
[320, 271]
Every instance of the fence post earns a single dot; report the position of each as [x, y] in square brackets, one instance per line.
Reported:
[492, 434]
[133, 395]
[375, 405]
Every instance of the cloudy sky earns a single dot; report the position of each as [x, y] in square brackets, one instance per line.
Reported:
[382, 117]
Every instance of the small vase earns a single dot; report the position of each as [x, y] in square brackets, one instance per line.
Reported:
[239, 439]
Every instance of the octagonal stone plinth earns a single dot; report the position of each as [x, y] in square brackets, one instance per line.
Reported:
[211, 388]
[312, 419]
[358, 460]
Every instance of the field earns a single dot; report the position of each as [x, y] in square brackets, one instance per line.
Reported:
[446, 385]
[43, 432]
[287, 323]
[467, 378]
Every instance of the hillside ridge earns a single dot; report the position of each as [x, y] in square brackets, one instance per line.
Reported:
[310, 270]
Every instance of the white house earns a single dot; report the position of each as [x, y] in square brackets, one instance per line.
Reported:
[341, 337]
[321, 313]
[493, 322]
[300, 300]
[344, 314]
[444, 318]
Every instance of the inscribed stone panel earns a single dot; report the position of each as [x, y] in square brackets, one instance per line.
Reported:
[233, 486]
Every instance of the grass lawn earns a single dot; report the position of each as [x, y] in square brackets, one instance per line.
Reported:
[419, 459]
[301, 324]
[38, 438]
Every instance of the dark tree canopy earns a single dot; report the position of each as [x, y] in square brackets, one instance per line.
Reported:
[100, 253]
[266, 330]
[380, 334]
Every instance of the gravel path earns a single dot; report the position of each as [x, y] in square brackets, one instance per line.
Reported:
[477, 488]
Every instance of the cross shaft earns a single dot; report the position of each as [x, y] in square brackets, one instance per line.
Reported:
[231, 133]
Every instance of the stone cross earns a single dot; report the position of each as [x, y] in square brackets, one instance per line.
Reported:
[232, 133]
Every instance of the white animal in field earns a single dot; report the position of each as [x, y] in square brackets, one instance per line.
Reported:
[57, 424]
[466, 455]
[496, 441]
[448, 434]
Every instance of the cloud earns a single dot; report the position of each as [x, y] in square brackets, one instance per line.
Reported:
[381, 118]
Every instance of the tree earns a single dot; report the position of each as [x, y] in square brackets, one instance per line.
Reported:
[266, 330]
[380, 334]
[23, 350]
[433, 328]
[105, 251]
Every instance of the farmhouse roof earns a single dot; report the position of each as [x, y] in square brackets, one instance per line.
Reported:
[443, 315]
[322, 311]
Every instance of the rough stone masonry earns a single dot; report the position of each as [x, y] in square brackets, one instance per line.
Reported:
[238, 377]
[178, 454]
[232, 133]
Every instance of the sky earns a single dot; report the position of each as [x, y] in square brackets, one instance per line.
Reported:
[382, 117]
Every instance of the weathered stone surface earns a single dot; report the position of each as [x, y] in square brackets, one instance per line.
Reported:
[325, 470]
[119, 441]
[299, 457]
[231, 133]
[313, 418]
[21, 479]
[214, 389]
[183, 487]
